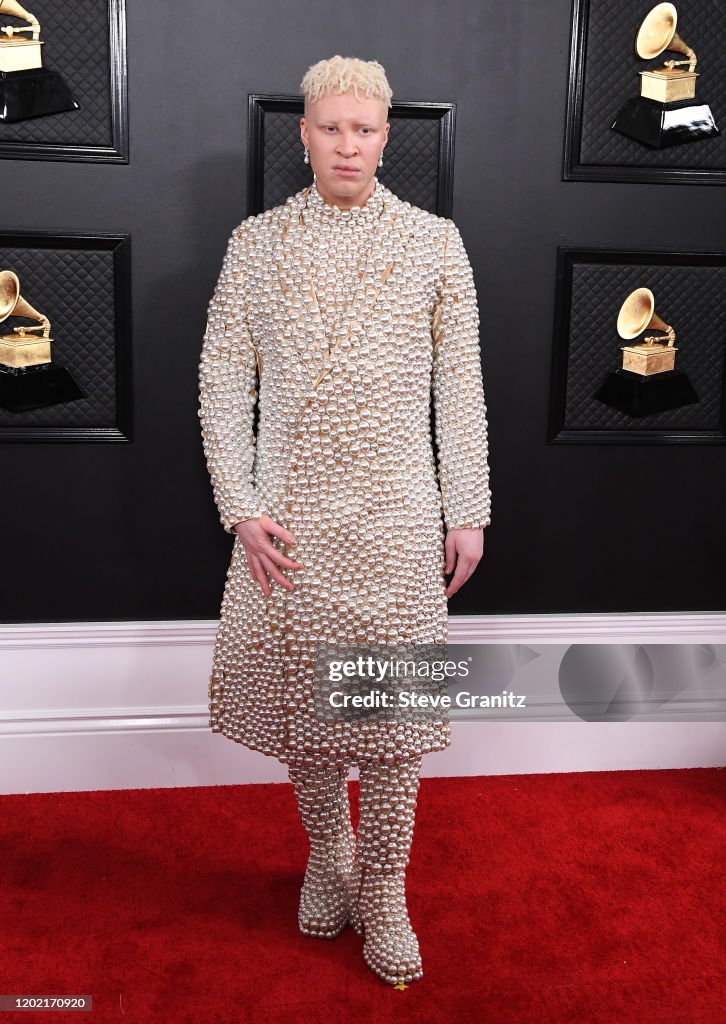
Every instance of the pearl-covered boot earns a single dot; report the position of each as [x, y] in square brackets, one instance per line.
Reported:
[391, 947]
[321, 792]
[387, 812]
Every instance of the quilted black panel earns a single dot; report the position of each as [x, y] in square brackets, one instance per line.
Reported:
[77, 44]
[417, 161]
[611, 77]
[75, 289]
[690, 298]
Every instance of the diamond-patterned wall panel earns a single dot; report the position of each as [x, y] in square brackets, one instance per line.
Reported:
[75, 289]
[611, 77]
[77, 45]
[412, 160]
[692, 299]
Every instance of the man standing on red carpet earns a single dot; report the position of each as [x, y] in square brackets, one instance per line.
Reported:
[352, 309]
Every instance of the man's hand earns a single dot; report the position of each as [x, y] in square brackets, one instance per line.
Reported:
[262, 555]
[464, 549]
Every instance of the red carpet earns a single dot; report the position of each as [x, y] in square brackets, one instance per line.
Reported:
[593, 897]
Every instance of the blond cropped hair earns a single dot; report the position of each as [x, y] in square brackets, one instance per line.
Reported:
[339, 74]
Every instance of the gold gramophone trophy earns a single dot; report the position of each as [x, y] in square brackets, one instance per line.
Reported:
[647, 381]
[664, 114]
[27, 89]
[29, 379]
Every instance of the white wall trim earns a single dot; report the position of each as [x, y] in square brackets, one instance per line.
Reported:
[620, 627]
[114, 705]
[590, 627]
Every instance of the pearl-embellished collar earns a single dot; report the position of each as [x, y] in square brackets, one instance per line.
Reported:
[317, 205]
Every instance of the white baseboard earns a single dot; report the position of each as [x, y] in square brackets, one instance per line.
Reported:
[123, 705]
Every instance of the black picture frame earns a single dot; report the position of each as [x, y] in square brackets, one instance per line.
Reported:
[110, 306]
[54, 137]
[430, 127]
[568, 382]
[588, 74]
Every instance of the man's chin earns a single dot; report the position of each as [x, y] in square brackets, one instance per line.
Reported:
[349, 183]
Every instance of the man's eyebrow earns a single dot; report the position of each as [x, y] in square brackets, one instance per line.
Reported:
[331, 120]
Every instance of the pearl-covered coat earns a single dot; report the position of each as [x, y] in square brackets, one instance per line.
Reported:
[345, 324]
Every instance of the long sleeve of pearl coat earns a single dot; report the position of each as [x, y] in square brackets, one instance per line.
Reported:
[458, 393]
[228, 392]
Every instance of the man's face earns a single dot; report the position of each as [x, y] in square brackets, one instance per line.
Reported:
[340, 132]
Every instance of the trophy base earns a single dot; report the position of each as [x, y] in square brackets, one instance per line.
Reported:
[33, 92]
[33, 387]
[642, 396]
[660, 125]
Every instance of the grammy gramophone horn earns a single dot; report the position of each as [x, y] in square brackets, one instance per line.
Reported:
[14, 8]
[638, 314]
[13, 304]
[658, 33]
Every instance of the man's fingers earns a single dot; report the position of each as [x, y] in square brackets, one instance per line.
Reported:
[261, 567]
[458, 580]
[278, 531]
[453, 558]
[258, 573]
[257, 532]
[272, 569]
[450, 550]
[271, 552]
[464, 568]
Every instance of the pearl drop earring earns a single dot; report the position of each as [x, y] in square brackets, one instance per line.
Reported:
[380, 159]
[306, 158]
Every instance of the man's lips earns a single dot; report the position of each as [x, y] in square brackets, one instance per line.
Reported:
[346, 170]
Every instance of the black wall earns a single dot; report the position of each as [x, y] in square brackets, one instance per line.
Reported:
[129, 531]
